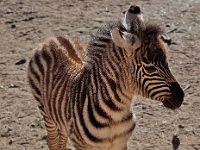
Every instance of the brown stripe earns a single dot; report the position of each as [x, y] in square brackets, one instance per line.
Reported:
[80, 48]
[48, 60]
[68, 46]
[38, 63]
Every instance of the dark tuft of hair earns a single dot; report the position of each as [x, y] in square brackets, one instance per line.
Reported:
[153, 30]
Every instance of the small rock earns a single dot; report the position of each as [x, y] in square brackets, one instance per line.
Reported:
[17, 84]
[175, 141]
[123, 12]
[180, 126]
[13, 86]
[143, 107]
[32, 125]
[22, 61]
[10, 142]
[13, 26]
[184, 103]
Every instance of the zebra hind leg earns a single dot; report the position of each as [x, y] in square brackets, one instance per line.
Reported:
[53, 135]
[52, 130]
[62, 141]
[56, 140]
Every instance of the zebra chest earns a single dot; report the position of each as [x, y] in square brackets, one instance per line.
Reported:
[111, 137]
[98, 122]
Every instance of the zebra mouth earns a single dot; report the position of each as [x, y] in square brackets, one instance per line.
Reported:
[168, 104]
[172, 103]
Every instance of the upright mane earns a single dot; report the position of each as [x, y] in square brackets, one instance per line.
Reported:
[102, 33]
[153, 29]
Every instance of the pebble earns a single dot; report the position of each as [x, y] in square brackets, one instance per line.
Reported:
[22, 61]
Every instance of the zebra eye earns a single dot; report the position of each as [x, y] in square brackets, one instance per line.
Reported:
[150, 68]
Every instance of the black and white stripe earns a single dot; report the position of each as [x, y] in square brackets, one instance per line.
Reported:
[85, 94]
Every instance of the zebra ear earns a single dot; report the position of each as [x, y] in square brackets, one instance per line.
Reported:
[117, 37]
[125, 40]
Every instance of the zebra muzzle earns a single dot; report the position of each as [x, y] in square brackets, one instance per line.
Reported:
[134, 9]
[134, 19]
[176, 99]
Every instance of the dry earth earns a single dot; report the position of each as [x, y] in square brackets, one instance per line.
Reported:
[24, 23]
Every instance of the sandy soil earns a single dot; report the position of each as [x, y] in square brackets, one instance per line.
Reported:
[23, 24]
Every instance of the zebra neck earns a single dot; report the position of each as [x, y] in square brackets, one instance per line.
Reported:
[112, 81]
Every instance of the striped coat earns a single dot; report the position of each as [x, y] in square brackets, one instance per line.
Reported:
[84, 94]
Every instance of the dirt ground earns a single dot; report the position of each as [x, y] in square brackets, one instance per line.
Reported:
[25, 23]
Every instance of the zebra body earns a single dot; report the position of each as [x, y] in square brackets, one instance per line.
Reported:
[84, 94]
[65, 92]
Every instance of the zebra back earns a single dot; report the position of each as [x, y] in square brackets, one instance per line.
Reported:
[52, 62]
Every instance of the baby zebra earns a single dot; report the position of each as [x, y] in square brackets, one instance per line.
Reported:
[85, 94]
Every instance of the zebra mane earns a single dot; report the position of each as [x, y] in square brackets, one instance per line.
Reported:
[105, 31]
[153, 29]
[103, 34]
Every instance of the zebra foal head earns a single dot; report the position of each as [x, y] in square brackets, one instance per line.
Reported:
[143, 45]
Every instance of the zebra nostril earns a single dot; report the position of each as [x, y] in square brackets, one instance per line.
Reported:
[134, 10]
